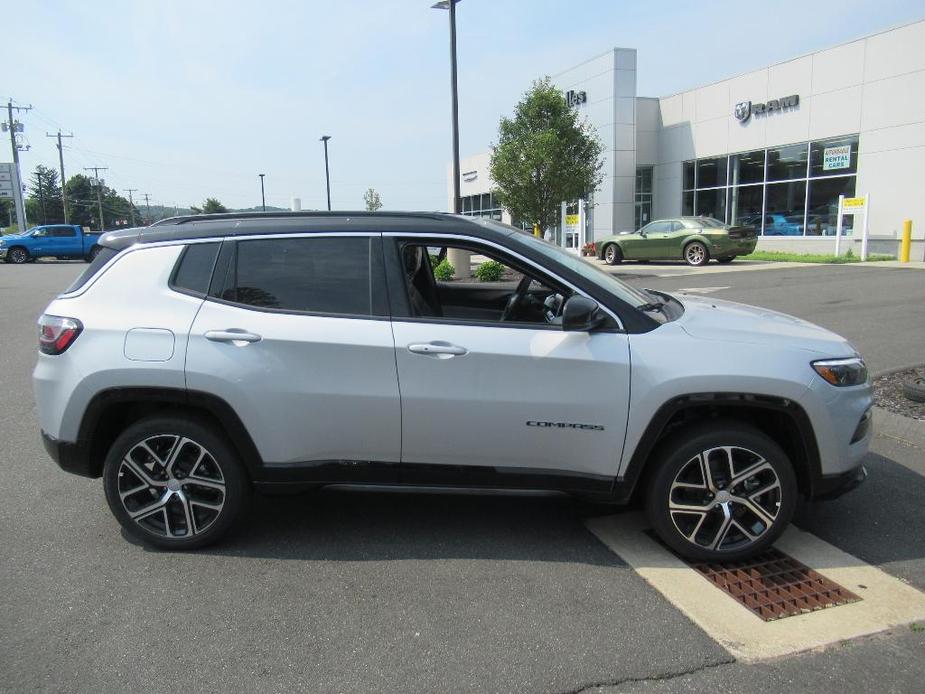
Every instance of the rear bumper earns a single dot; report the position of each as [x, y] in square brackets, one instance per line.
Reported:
[833, 486]
[71, 457]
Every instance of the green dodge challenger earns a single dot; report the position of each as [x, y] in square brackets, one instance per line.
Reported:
[694, 239]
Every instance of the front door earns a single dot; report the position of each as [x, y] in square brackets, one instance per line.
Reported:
[297, 340]
[512, 396]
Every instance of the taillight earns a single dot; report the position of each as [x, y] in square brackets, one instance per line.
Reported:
[56, 333]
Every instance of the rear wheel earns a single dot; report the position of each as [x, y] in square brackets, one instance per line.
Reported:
[728, 259]
[174, 483]
[695, 253]
[612, 254]
[18, 256]
[722, 491]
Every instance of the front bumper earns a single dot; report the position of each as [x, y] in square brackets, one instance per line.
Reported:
[71, 457]
[3, 252]
[833, 486]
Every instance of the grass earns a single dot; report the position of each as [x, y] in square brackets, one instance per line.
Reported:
[782, 257]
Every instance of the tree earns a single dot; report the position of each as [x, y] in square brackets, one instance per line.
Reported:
[544, 156]
[373, 202]
[44, 204]
[83, 207]
[210, 206]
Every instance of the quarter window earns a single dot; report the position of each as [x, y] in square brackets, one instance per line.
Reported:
[194, 271]
[316, 275]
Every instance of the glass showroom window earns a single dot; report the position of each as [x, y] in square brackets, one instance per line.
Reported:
[643, 196]
[482, 205]
[784, 204]
[790, 190]
[822, 210]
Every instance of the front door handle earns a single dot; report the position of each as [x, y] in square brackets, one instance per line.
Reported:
[443, 350]
[231, 335]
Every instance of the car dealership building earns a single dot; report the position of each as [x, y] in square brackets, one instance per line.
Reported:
[773, 148]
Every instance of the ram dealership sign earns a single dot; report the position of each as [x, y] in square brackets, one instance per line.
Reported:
[745, 109]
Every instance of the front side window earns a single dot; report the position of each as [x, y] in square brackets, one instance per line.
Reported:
[303, 274]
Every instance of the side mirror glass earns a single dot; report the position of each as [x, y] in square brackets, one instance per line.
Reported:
[581, 314]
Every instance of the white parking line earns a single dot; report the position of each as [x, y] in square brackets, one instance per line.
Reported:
[886, 601]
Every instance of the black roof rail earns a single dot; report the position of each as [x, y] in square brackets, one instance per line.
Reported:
[219, 216]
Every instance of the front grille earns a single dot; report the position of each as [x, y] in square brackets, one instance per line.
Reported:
[774, 585]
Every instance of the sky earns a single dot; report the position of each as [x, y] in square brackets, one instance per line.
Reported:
[188, 99]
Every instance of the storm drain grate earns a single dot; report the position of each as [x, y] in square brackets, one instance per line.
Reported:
[774, 585]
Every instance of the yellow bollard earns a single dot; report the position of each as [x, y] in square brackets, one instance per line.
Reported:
[907, 241]
[536, 231]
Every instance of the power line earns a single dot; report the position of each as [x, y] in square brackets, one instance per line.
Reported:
[61, 161]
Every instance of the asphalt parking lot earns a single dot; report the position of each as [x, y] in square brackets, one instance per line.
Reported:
[353, 591]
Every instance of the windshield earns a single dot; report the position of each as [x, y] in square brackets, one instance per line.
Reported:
[590, 272]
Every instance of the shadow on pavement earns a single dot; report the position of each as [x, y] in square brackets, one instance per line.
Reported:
[349, 525]
[881, 522]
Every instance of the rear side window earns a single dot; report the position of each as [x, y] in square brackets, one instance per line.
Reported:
[314, 275]
[103, 257]
[194, 269]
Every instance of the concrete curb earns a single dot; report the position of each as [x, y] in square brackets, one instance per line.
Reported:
[895, 426]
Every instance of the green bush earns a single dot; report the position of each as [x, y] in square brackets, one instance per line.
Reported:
[489, 271]
[444, 271]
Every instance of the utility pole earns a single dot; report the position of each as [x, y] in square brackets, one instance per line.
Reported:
[327, 177]
[131, 203]
[99, 195]
[13, 126]
[61, 162]
[263, 197]
[147, 206]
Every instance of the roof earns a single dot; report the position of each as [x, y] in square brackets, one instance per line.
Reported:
[256, 223]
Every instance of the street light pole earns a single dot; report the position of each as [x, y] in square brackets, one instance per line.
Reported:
[327, 176]
[263, 197]
[454, 91]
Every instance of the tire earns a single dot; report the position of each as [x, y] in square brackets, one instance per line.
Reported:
[915, 390]
[696, 254]
[95, 251]
[726, 260]
[206, 491]
[679, 480]
[612, 254]
[17, 255]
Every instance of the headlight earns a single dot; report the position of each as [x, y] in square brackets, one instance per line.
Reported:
[842, 372]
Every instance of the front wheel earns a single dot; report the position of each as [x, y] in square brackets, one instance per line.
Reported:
[612, 254]
[17, 256]
[722, 491]
[695, 253]
[174, 483]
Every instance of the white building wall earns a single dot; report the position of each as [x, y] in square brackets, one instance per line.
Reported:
[874, 86]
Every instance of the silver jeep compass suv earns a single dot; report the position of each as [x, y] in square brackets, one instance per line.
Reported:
[207, 356]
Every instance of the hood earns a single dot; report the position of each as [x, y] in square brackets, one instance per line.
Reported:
[728, 321]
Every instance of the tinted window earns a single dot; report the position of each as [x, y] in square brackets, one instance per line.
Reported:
[747, 167]
[787, 162]
[320, 275]
[194, 269]
[711, 172]
[657, 228]
[63, 231]
[103, 257]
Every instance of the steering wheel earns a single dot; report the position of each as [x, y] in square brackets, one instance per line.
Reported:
[516, 298]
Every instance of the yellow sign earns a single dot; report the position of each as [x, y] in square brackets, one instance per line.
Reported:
[854, 204]
[571, 220]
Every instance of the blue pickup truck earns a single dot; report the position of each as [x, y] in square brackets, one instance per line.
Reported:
[63, 241]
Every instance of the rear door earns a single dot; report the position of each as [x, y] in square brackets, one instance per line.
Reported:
[64, 240]
[295, 336]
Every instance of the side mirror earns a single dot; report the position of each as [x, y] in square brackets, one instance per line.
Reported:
[581, 314]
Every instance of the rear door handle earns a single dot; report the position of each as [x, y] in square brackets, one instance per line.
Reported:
[438, 349]
[231, 335]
